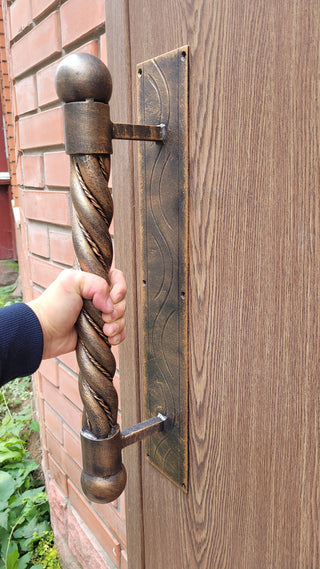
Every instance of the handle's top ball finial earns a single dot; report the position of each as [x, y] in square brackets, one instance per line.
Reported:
[83, 76]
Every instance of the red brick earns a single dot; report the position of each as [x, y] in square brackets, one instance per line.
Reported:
[45, 461]
[99, 530]
[38, 239]
[90, 47]
[72, 469]
[58, 476]
[57, 169]
[41, 42]
[69, 387]
[124, 560]
[53, 446]
[26, 95]
[111, 228]
[36, 293]
[39, 7]
[42, 129]
[110, 178]
[66, 558]
[32, 167]
[83, 545]
[115, 351]
[79, 18]
[103, 49]
[52, 207]
[16, 178]
[116, 385]
[46, 85]
[70, 360]
[122, 506]
[53, 422]
[72, 445]
[20, 16]
[42, 272]
[49, 369]
[5, 84]
[61, 247]
[5, 81]
[46, 77]
[38, 392]
[67, 411]
[19, 172]
[8, 113]
[58, 508]
[113, 520]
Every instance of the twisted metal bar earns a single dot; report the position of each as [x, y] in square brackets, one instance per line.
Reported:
[84, 85]
[93, 205]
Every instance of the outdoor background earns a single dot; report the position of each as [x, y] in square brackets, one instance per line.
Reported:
[35, 36]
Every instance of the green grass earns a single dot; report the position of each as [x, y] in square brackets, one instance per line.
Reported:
[25, 532]
[13, 265]
[6, 295]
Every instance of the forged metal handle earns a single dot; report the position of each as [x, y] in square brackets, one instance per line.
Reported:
[84, 86]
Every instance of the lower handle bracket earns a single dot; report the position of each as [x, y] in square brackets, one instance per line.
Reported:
[104, 477]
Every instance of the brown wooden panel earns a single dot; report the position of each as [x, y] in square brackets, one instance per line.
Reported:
[118, 56]
[254, 286]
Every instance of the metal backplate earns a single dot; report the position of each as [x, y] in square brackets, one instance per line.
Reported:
[163, 174]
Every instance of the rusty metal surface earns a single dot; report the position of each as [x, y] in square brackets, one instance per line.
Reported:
[162, 85]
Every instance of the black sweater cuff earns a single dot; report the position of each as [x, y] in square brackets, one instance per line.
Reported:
[21, 342]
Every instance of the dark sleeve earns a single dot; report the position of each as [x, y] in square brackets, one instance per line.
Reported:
[21, 342]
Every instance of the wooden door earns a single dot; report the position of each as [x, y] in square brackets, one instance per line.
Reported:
[254, 302]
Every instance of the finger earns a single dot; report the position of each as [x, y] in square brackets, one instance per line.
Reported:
[114, 328]
[118, 285]
[115, 340]
[117, 312]
[95, 288]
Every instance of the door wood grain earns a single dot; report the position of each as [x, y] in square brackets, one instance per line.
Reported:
[254, 285]
[118, 56]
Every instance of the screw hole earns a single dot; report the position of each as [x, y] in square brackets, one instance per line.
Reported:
[140, 72]
[183, 486]
[183, 56]
[144, 283]
[183, 295]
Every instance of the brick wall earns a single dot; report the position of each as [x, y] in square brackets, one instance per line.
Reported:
[40, 33]
[7, 106]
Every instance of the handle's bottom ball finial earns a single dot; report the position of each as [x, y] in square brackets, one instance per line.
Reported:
[104, 490]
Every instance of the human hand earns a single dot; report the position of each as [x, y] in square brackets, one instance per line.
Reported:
[59, 306]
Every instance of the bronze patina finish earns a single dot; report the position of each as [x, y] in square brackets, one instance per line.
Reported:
[162, 85]
[84, 86]
[139, 132]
